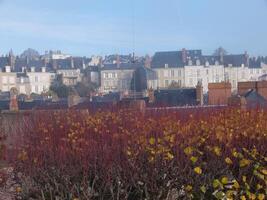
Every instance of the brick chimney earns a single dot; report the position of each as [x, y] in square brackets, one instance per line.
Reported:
[199, 90]
[184, 55]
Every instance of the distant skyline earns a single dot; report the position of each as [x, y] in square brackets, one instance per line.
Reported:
[99, 27]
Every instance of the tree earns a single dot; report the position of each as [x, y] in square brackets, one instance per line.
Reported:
[220, 51]
[59, 88]
[84, 89]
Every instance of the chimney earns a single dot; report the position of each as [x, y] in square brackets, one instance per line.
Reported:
[184, 55]
[8, 69]
[43, 69]
[148, 61]
[199, 91]
[32, 69]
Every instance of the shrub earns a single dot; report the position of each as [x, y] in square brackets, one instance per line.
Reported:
[214, 154]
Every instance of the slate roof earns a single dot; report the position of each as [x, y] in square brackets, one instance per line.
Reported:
[254, 99]
[172, 58]
[176, 97]
[122, 66]
[3, 62]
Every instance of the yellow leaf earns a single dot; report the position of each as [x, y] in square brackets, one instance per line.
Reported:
[18, 190]
[217, 151]
[194, 159]
[228, 161]
[236, 184]
[152, 141]
[188, 150]
[264, 171]
[224, 180]
[169, 156]
[198, 170]
[188, 188]
[252, 196]
[244, 162]
[261, 196]
[216, 183]
[243, 197]
[244, 179]
[259, 186]
[203, 189]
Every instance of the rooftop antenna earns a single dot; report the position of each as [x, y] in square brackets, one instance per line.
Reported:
[133, 43]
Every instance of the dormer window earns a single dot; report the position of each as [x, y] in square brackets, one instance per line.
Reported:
[190, 63]
[216, 62]
[166, 65]
[207, 64]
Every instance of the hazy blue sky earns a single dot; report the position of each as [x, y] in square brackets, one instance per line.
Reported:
[85, 27]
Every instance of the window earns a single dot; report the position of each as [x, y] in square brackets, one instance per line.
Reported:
[166, 65]
[166, 74]
[226, 76]
[109, 75]
[179, 83]
[36, 89]
[191, 72]
[207, 71]
[217, 78]
[113, 75]
[36, 78]
[190, 81]
[22, 89]
[198, 72]
[179, 73]
[258, 71]
[12, 80]
[243, 75]
[166, 83]
[4, 79]
[172, 73]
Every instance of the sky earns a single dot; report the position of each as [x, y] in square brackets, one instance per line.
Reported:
[100, 27]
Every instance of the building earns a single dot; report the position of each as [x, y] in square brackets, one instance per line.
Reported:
[56, 55]
[187, 68]
[40, 81]
[26, 82]
[7, 79]
[117, 77]
[70, 77]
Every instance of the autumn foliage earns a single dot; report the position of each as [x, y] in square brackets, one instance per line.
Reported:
[198, 154]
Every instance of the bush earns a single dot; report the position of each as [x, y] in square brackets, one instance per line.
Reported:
[161, 155]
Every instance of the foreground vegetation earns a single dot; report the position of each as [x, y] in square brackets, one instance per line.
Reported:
[129, 155]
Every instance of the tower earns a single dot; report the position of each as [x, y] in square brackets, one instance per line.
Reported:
[11, 59]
